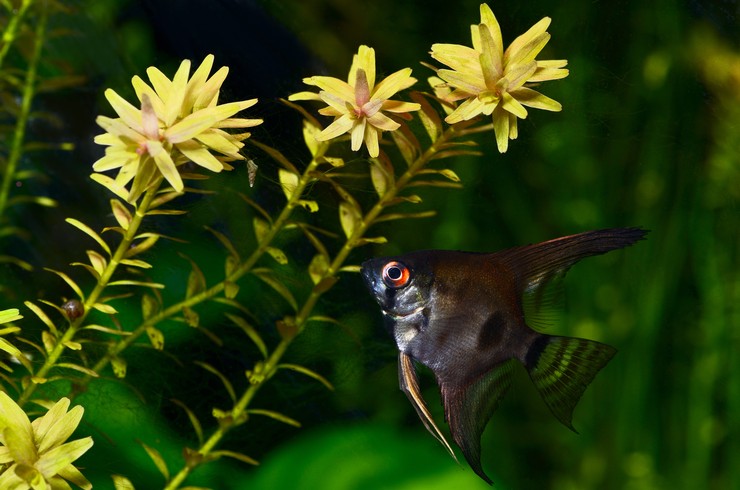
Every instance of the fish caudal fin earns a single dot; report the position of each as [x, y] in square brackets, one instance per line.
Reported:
[561, 369]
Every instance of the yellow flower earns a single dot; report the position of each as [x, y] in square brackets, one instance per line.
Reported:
[494, 82]
[358, 104]
[34, 454]
[179, 121]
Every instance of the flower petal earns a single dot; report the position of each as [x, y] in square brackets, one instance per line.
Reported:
[381, 121]
[489, 20]
[390, 85]
[336, 87]
[130, 115]
[364, 59]
[208, 93]
[201, 120]
[532, 98]
[457, 57]
[165, 165]
[466, 111]
[523, 46]
[340, 126]
[51, 463]
[399, 106]
[195, 84]
[468, 82]
[201, 156]
[490, 62]
[549, 70]
[510, 104]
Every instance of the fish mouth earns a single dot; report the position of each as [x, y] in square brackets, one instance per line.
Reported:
[404, 315]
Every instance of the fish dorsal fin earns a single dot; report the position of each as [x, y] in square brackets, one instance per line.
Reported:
[538, 264]
[562, 367]
[410, 385]
[469, 407]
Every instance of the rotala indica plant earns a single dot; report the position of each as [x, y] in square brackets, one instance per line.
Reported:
[175, 134]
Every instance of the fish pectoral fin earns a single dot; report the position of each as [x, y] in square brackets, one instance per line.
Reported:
[562, 367]
[470, 405]
[410, 385]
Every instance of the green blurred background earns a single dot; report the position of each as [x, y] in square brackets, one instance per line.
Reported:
[649, 136]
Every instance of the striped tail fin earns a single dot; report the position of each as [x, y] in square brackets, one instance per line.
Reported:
[561, 369]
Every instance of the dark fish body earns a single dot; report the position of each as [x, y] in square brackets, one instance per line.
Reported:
[462, 315]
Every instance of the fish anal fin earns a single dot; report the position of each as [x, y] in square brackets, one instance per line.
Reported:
[469, 406]
[562, 367]
[410, 386]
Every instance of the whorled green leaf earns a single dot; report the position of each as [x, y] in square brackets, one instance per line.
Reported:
[42, 316]
[274, 415]
[155, 337]
[224, 380]
[261, 228]
[381, 174]
[407, 144]
[103, 308]
[308, 372]
[77, 367]
[119, 366]
[129, 282]
[335, 162]
[268, 277]
[197, 427]
[142, 246]
[308, 205]
[136, 263]
[97, 261]
[149, 306]
[288, 182]
[122, 483]
[10, 315]
[318, 267]
[278, 255]
[121, 213]
[397, 216]
[158, 460]
[48, 341]
[101, 328]
[350, 216]
[89, 231]
[231, 454]
[196, 280]
[310, 133]
[192, 319]
[277, 156]
[225, 242]
[69, 281]
[428, 116]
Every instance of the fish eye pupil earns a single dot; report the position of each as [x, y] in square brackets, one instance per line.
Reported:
[396, 275]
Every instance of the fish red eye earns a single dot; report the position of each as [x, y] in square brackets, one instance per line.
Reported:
[396, 275]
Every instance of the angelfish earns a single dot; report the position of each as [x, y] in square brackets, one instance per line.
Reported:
[462, 314]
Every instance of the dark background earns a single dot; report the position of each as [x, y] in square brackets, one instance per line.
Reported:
[649, 136]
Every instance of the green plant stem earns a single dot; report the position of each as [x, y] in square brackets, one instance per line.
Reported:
[213, 291]
[29, 90]
[272, 362]
[11, 30]
[91, 300]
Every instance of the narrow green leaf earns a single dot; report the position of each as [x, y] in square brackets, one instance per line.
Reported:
[157, 459]
[121, 213]
[136, 263]
[318, 267]
[224, 380]
[88, 268]
[128, 282]
[42, 316]
[155, 337]
[231, 454]
[275, 415]
[77, 367]
[89, 231]
[122, 483]
[72, 345]
[310, 206]
[382, 175]
[310, 132]
[435, 183]
[196, 279]
[261, 228]
[193, 419]
[97, 261]
[10, 348]
[225, 242]
[307, 372]
[119, 366]
[276, 155]
[149, 306]
[142, 246]
[266, 275]
[49, 341]
[406, 143]
[101, 328]
[69, 281]
[288, 181]
[350, 217]
[278, 255]
[428, 116]
[396, 216]
[103, 308]
[251, 332]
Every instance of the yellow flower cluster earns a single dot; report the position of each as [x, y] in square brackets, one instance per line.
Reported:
[179, 120]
